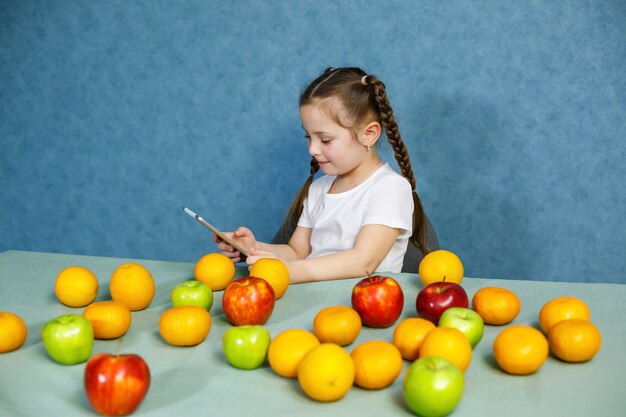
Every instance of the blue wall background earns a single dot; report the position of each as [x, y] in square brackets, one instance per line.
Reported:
[113, 115]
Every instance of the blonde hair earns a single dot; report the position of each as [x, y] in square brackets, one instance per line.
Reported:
[360, 97]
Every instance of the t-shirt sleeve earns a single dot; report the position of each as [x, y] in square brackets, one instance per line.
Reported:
[316, 192]
[391, 204]
[305, 217]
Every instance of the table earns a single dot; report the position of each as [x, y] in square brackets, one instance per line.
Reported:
[197, 381]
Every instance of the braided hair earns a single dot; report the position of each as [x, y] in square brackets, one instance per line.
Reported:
[360, 97]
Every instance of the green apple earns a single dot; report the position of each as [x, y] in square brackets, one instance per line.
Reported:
[68, 339]
[246, 347]
[433, 386]
[467, 321]
[192, 293]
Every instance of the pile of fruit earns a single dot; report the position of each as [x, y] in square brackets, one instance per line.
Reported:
[438, 342]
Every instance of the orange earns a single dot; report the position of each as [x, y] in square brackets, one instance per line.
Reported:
[520, 350]
[287, 349]
[440, 265]
[574, 340]
[216, 270]
[448, 343]
[376, 364]
[274, 271]
[109, 319]
[13, 331]
[409, 334]
[185, 325]
[562, 308]
[76, 286]
[326, 372]
[496, 306]
[337, 324]
[132, 284]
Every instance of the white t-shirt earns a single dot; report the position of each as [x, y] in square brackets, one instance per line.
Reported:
[336, 219]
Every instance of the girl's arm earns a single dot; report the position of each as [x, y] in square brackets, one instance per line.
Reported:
[299, 246]
[372, 244]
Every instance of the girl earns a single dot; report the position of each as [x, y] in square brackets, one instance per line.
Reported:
[359, 217]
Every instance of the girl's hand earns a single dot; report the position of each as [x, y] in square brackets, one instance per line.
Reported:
[243, 236]
[257, 254]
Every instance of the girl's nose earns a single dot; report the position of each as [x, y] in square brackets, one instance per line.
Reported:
[313, 148]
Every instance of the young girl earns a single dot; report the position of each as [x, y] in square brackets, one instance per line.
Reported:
[358, 217]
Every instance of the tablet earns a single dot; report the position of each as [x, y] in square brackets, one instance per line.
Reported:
[242, 249]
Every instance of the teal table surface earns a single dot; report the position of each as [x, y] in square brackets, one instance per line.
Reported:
[197, 381]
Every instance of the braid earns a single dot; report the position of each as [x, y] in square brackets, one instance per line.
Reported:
[418, 237]
[391, 129]
[295, 210]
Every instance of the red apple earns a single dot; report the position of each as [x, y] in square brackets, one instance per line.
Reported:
[116, 384]
[378, 300]
[437, 297]
[248, 301]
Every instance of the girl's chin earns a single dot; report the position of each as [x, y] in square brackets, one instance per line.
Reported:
[327, 169]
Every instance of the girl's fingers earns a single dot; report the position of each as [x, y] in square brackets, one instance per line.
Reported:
[225, 247]
[243, 231]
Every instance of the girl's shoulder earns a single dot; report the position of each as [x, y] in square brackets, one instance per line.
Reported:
[324, 180]
[387, 175]
[321, 185]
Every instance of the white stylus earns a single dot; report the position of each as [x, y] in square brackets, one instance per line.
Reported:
[242, 249]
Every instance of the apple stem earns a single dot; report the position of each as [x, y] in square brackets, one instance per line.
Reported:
[444, 278]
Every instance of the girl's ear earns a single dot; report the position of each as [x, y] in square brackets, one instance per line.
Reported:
[370, 134]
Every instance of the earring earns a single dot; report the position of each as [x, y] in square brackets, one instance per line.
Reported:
[368, 148]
